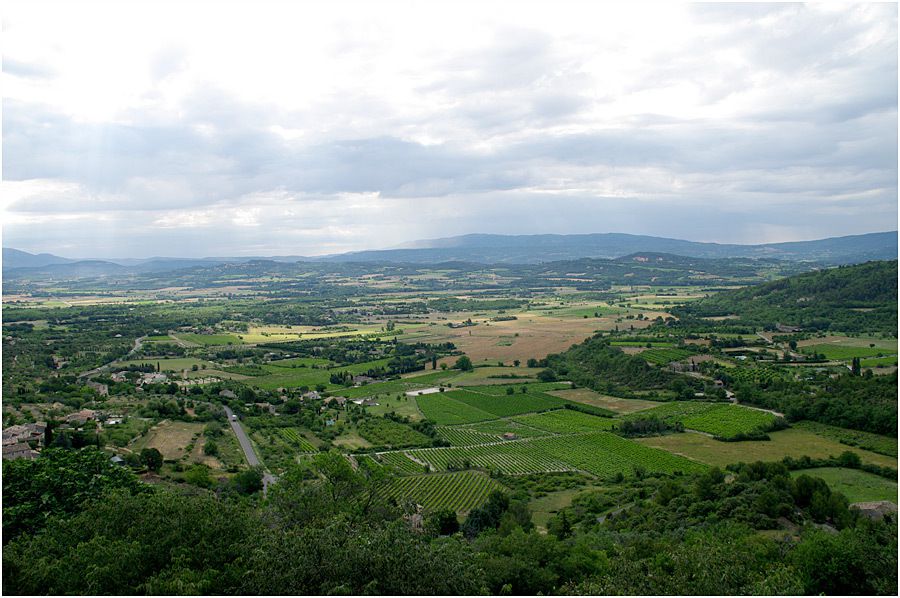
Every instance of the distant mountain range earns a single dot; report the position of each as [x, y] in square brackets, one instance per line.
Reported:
[527, 249]
[491, 249]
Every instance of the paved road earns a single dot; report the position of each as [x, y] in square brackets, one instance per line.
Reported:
[247, 447]
[138, 342]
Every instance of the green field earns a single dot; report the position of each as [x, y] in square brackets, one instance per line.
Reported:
[874, 362]
[728, 421]
[445, 410]
[783, 443]
[664, 356]
[460, 491]
[175, 364]
[566, 421]
[293, 377]
[504, 405]
[719, 419]
[856, 485]
[877, 443]
[841, 352]
[209, 339]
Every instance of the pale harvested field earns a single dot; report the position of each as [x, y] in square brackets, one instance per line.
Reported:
[170, 438]
[539, 335]
[616, 404]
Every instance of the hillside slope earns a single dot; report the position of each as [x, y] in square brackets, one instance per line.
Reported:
[861, 298]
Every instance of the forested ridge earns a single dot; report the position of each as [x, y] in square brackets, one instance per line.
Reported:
[860, 298]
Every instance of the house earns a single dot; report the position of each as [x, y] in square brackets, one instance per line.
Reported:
[510, 436]
[227, 394]
[361, 379]
[102, 389]
[79, 418]
[312, 395]
[341, 401]
[154, 378]
[24, 433]
[876, 510]
[266, 407]
[20, 450]
[117, 460]
[119, 377]
[785, 328]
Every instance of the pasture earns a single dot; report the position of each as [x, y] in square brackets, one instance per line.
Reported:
[208, 339]
[856, 485]
[783, 443]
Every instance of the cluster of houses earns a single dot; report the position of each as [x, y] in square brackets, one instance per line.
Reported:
[23, 441]
[19, 440]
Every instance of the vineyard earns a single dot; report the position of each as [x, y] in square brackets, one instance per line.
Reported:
[662, 356]
[399, 463]
[443, 410]
[385, 432]
[292, 435]
[729, 421]
[499, 427]
[465, 436]
[461, 491]
[719, 419]
[505, 405]
[512, 457]
[599, 453]
[566, 421]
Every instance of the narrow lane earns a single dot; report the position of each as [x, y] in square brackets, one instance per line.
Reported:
[247, 447]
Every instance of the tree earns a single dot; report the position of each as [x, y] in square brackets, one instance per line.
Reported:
[211, 448]
[248, 482]
[152, 459]
[547, 375]
[443, 523]
[464, 364]
[58, 482]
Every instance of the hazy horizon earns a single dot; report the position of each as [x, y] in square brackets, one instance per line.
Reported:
[313, 129]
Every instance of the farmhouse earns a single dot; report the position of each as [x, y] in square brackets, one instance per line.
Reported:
[360, 380]
[339, 400]
[510, 436]
[312, 395]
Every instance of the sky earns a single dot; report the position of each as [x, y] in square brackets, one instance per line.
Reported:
[137, 129]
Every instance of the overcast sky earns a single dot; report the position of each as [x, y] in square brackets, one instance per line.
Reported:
[137, 129]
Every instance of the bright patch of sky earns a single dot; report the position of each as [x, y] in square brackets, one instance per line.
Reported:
[133, 129]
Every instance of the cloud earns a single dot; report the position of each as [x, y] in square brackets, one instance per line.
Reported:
[327, 130]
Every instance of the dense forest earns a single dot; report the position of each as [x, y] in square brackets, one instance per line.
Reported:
[82, 525]
[860, 298]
